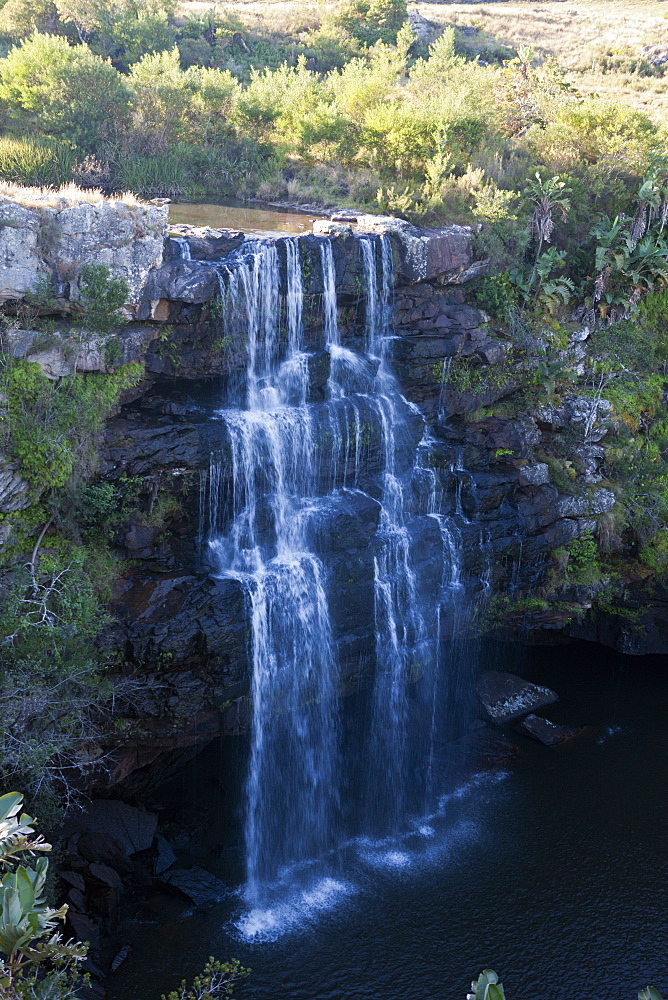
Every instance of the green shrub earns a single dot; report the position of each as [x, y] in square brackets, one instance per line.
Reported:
[101, 297]
[654, 554]
[37, 962]
[52, 426]
[583, 562]
[217, 980]
[61, 90]
[495, 294]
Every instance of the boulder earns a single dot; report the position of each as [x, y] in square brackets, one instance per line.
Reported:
[134, 829]
[54, 235]
[196, 884]
[424, 254]
[128, 239]
[204, 243]
[546, 732]
[507, 697]
[64, 351]
[22, 265]
[165, 857]
[188, 281]
[535, 474]
[423, 30]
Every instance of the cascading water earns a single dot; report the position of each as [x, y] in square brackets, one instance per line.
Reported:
[293, 460]
[291, 788]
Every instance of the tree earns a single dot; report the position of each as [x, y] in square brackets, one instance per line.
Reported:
[20, 18]
[36, 963]
[172, 105]
[122, 30]
[62, 90]
[371, 21]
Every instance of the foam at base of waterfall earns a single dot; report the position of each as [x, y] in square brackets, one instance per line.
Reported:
[296, 901]
[297, 910]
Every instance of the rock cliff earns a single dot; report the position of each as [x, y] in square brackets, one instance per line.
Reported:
[524, 479]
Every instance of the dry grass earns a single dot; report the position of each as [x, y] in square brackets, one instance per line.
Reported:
[577, 33]
[68, 194]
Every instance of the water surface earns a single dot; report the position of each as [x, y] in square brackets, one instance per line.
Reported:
[551, 868]
[252, 220]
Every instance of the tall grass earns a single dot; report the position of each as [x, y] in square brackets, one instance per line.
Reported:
[39, 162]
[153, 176]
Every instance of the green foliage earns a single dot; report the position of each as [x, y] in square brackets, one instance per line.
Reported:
[467, 376]
[654, 554]
[371, 21]
[172, 105]
[51, 675]
[36, 161]
[124, 30]
[216, 980]
[101, 297]
[37, 963]
[164, 175]
[583, 565]
[60, 90]
[20, 18]
[496, 294]
[486, 987]
[52, 426]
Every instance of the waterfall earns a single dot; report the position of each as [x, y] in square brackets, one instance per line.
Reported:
[400, 626]
[184, 247]
[329, 295]
[288, 465]
[291, 787]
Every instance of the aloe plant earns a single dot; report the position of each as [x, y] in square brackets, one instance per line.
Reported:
[488, 987]
[35, 960]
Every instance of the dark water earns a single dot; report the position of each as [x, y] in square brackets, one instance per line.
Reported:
[551, 868]
[252, 220]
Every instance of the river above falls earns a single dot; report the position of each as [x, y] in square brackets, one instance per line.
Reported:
[551, 868]
[252, 220]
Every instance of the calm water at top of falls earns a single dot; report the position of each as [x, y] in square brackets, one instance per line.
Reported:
[551, 869]
[252, 220]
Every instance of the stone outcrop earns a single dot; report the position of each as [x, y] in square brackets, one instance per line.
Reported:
[51, 236]
[15, 493]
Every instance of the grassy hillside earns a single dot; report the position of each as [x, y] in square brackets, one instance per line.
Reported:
[598, 42]
[585, 36]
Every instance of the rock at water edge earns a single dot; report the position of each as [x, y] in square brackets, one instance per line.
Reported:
[507, 697]
[546, 732]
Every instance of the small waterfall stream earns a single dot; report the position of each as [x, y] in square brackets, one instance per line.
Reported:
[291, 463]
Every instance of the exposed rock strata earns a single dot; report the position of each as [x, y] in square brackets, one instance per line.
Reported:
[491, 469]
